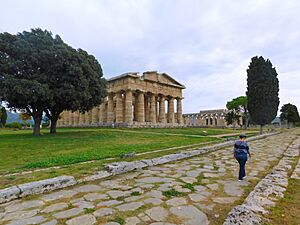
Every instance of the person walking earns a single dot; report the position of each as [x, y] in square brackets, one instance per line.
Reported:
[241, 153]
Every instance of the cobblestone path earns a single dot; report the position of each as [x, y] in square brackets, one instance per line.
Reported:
[199, 190]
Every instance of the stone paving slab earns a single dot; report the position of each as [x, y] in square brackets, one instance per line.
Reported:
[267, 191]
[190, 191]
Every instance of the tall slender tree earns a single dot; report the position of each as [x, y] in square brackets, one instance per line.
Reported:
[3, 116]
[262, 91]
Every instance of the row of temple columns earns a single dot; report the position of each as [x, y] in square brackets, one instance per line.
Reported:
[207, 120]
[128, 107]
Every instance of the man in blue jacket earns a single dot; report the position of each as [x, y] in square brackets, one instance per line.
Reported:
[241, 153]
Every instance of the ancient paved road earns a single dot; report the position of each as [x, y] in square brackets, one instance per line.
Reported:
[199, 190]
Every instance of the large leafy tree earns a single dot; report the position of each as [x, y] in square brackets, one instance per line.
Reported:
[39, 72]
[23, 62]
[237, 107]
[290, 113]
[76, 83]
[262, 91]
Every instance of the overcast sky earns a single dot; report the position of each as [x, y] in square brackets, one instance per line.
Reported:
[205, 45]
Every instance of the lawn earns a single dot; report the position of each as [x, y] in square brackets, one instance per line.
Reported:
[287, 209]
[19, 150]
[189, 131]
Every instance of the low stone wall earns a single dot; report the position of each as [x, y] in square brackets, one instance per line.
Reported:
[39, 187]
[123, 167]
[266, 192]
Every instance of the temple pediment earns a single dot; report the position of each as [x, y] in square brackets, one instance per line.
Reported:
[162, 78]
[151, 76]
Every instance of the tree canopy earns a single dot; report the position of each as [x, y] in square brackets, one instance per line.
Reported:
[262, 91]
[237, 107]
[40, 73]
[290, 113]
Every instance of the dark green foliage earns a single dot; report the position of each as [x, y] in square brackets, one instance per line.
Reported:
[14, 125]
[232, 117]
[40, 72]
[3, 116]
[135, 193]
[78, 86]
[290, 113]
[262, 91]
[238, 107]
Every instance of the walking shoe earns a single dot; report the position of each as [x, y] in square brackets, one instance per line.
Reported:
[244, 177]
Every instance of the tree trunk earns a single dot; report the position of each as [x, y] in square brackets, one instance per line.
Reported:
[37, 117]
[246, 122]
[37, 126]
[260, 129]
[246, 117]
[53, 123]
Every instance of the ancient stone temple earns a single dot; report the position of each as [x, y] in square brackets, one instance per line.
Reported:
[151, 99]
[206, 118]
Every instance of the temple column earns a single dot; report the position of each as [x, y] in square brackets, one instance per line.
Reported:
[219, 122]
[200, 121]
[110, 108]
[179, 111]
[90, 117]
[76, 118]
[156, 110]
[81, 119]
[162, 112]
[147, 108]
[128, 107]
[70, 118]
[213, 121]
[103, 113]
[95, 115]
[171, 110]
[153, 109]
[141, 107]
[85, 118]
[62, 118]
[119, 108]
[99, 113]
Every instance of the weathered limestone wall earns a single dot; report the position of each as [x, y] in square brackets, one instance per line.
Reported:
[206, 118]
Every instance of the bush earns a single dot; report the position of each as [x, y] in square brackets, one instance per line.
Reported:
[25, 124]
[15, 125]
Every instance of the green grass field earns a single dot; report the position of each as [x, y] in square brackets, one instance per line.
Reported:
[188, 131]
[20, 151]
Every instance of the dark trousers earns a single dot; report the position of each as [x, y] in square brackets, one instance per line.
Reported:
[242, 159]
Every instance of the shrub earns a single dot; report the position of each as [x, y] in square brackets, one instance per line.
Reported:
[15, 125]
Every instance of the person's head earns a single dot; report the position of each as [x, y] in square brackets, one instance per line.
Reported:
[243, 137]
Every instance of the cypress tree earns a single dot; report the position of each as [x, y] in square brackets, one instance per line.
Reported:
[3, 116]
[262, 91]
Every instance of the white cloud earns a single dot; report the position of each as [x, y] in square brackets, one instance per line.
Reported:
[206, 45]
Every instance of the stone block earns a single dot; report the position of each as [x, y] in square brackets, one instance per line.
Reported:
[9, 194]
[46, 185]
